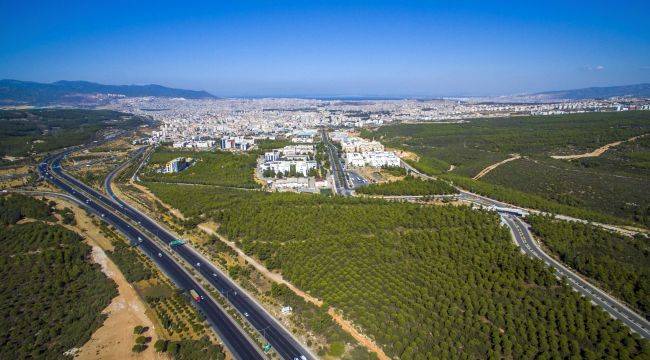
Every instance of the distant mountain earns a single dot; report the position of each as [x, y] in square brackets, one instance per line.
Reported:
[14, 92]
[637, 90]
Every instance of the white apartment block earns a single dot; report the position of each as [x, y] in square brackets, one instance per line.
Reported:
[358, 145]
[292, 150]
[372, 158]
[354, 144]
[284, 166]
[194, 144]
[293, 184]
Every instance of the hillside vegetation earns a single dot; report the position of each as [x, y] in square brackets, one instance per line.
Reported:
[52, 296]
[608, 187]
[423, 281]
[619, 263]
[40, 130]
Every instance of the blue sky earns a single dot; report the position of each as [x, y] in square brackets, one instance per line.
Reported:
[244, 48]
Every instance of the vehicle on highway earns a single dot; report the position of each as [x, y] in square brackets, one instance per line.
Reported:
[195, 295]
[159, 254]
[246, 314]
[176, 242]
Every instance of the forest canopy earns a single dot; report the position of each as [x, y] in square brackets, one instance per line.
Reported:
[423, 281]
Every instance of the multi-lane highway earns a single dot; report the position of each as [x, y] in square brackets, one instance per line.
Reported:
[525, 240]
[276, 335]
[340, 181]
[233, 337]
[279, 337]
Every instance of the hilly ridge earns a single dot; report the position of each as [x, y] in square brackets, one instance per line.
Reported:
[13, 92]
[603, 92]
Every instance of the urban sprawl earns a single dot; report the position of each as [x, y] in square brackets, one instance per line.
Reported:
[238, 124]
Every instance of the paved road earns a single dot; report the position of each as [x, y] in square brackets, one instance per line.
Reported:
[524, 239]
[233, 337]
[526, 242]
[281, 339]
[340, 180]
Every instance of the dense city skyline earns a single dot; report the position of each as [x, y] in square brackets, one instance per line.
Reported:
[331, 48]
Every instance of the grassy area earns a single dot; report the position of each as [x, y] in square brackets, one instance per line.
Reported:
[428, 281]
[210, 168]
[619, 263]
[608, 187]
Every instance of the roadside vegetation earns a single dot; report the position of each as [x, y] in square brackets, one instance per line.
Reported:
[173, 308]
[422, 281]
[606, 188]
[23, 132]
[209, 168]
[409, 186]
[52, 295]
[619, 263]
[92, 165]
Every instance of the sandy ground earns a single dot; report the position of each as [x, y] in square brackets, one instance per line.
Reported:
[494, 166]
[596, 152]
[115, 338]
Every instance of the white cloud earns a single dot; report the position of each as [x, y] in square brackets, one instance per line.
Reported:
[593, 68]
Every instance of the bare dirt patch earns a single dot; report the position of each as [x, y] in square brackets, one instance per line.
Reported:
[115, 338]
[377, 175]
[405, 154]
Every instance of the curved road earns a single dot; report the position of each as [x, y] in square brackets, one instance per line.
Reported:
[279, 338]
[525, 240]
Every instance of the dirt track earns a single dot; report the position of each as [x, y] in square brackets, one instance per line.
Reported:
[494, 166]
[346, 325]
[596, 152]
